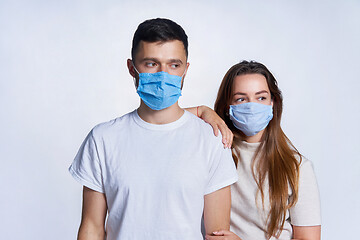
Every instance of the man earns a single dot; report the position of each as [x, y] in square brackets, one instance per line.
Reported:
[154, 172]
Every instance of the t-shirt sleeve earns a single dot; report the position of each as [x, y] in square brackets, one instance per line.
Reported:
[86, 167]
[306, 211]
[222, 171]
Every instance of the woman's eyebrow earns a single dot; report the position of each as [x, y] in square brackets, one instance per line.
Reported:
[263, 91]
[239, 93]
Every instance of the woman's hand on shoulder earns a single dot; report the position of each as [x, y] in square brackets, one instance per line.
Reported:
[211, 117]
[222, 235]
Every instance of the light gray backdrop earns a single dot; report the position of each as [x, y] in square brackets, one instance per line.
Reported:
[63, 70]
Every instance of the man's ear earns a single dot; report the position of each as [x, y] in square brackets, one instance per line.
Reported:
[187, 68]
[131, 68]
[185, 72]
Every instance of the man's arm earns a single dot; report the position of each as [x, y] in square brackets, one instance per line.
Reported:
[94, 210]
[217, 210]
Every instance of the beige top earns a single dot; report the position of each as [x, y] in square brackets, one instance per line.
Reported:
[248, 218]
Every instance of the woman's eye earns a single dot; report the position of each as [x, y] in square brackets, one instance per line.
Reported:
[262, 98]
[240, 100]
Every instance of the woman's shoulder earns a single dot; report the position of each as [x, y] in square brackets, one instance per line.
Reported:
[300, 158]
[303, 161]
[306, 168]
[307, 172]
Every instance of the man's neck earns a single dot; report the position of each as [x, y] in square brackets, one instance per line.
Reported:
[167, 115]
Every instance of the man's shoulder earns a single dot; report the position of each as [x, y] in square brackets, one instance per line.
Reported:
[113, 125]
[199, 123]
[204, 129]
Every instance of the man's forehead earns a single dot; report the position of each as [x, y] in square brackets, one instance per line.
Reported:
[173, 48]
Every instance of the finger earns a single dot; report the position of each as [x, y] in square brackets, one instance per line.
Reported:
[222, 129]
[218, 233]
[215, 128]
[208, 237]
[229, 136]
[231, 139]
[225, 141]
[226, 135]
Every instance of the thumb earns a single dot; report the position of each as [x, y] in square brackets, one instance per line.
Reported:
[222, 233]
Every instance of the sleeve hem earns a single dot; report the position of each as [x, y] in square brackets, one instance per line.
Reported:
[84, 182]
[306, 225]
[221, 185]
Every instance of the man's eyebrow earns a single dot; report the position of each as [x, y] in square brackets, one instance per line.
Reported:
[175, 60]
[263, 91]
[171, 60]
[149, 59]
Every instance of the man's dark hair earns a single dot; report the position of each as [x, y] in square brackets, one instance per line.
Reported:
[158, 30]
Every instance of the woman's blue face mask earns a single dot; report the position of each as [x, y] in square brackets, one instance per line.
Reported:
[251, 117]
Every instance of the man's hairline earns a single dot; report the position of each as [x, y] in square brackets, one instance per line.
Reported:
[160, 42]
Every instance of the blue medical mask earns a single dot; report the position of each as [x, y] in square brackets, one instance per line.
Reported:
[251, 117]
[159, 90]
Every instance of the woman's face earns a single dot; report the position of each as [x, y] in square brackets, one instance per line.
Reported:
[251, 88]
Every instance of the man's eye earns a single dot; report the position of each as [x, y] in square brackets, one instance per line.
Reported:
[150, 64]
[174, 65]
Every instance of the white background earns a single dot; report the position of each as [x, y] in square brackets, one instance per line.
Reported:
[63, 70]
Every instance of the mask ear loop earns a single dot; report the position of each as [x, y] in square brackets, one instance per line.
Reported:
[183, 75]
[134, 79]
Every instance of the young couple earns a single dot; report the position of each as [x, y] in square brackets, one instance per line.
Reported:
[156, 172]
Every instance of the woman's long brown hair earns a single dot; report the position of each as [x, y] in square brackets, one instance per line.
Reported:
[277, 160]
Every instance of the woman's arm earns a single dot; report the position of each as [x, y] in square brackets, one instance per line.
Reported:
[211, 117]
[94, 210]
[306, 211]
[307, 233]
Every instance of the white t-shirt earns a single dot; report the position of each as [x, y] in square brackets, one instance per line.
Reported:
[154, 176]
[248, 219]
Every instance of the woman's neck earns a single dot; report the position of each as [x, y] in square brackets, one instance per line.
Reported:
[256, 138]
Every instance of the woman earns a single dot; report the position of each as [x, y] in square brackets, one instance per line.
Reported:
[276, 196]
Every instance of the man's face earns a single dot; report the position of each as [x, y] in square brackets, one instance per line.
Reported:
[154, 57]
